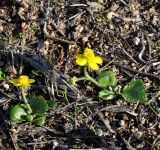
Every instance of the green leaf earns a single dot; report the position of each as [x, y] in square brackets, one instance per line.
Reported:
[135, 92]
[2, 74]
[158, 147]
[39, 105]
[52, 104]
[41, 121]
[73, 80]
[107, 95]
[29, 118]
[107, 78]
[18, 114]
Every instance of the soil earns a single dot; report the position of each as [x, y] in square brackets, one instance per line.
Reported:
[40, 39]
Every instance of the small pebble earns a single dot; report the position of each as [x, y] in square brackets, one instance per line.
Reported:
[138, 134]
[136, 40]
[1, 28]
[84, 39]
[46, 43]
[140, 146]
[100, 132]
[33, 17]
[5, 107]
[111, 26]
[55, 143]
[122, 123]
[21, 9]
[154, 132]
[106, 114]
[53, 34]
[24, 26]
[126, 26]
[6, 86]
[110, 15]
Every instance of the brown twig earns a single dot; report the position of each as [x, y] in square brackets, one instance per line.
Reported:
[136, 71]
[54, 38]
[57, 28]
[106, 123]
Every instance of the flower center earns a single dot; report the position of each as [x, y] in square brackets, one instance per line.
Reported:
[23, 80]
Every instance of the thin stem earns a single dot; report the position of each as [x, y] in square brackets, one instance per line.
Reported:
[25, 100]
[79, 79]
[153, 110]
[88, 77]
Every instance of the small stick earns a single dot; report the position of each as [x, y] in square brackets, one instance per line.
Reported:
[136, 71]
[78, 5]
[2, 21]
[57, 28]
[106, 123]
[54, 38]
[10, 96]
[127, 144]
[142, 51]
[149, 47]
[75, 16]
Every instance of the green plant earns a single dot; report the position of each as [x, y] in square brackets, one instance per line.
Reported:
[134, 91]
[107, 95]
[18, 114]
[38, 105]
[2, 75]
[158, 147]
[107, 78]
[41, 121]
[34, 108]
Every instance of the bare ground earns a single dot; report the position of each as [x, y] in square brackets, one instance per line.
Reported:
[40, 38]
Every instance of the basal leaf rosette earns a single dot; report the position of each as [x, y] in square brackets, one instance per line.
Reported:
[41, 121]
[107, 95]
[18, 114]
[107, 78]
[38, 105]
[135, 92]
[52, 104]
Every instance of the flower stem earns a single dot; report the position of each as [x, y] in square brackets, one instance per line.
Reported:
[25, 100]
[88, 77]
[80, 79]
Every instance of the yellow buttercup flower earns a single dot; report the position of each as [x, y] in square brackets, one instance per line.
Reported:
[88, 58]
[22, 81]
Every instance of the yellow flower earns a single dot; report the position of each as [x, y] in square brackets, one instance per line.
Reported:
[22, 81]
[88, 58]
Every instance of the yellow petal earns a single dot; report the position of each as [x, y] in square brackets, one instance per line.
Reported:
[88, 53]
[92, 64]
[13, 80]
[23, 77]
[98, 60]
[26, 85]
[22, 81]
[81, 61]
[17, 84]
[31, 80]
[76, 56]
